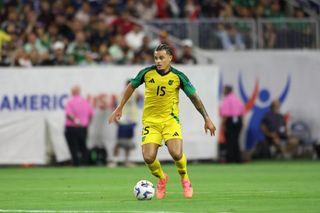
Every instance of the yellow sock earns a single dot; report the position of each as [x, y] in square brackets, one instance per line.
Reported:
[182, 167]
[156, 169]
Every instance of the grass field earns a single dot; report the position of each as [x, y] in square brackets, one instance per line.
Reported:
[255, 187]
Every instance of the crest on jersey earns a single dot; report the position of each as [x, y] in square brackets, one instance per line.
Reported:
[170, 82]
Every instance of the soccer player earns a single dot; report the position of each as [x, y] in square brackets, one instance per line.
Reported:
[161, 115]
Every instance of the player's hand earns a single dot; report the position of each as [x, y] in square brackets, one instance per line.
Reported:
[115, 116]
[208, 125]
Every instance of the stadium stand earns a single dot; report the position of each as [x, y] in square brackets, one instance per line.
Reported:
[93, 32]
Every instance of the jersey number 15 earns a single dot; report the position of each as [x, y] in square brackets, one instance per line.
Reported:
[160, 90]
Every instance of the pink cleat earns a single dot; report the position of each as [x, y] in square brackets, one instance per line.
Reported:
[187, 189]
[161, 192]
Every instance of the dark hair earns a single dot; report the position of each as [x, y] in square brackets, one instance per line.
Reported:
[164, 47]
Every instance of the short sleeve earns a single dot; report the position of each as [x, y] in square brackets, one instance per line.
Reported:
[139, 79]
[185, 83]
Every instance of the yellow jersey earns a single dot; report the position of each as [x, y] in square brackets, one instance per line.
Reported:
[161, 98]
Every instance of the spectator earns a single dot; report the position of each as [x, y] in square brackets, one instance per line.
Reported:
[164, 39]
[144, 55]
[131, 7]
[78, 48]
[275, 130]
[53, 33]
[101, 35]
[78, 117]
[34, 58]
[191, 10]
[120, 52]
[89, 59]
[269, 36]
[266, 7]
[135, 37]
[231, 112]
[187, 56]
[61, 20]
[167, 9]
[59, 57]
[211, 8]
[12, 18]
[34, 44]
[106, 59]
[126, 126]
[70, 12]
[30, 22]
[122, 25]
[147, 9]
[46, 16]
[276, 11]
[108, 14]
[8, 40]
[43, 36]
[226, 12]
[258, 12]
[230, 38]
[103, 52]
[83, 15]
[21, 58]
[63, 27]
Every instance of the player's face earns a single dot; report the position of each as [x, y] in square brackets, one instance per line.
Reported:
[162, 60]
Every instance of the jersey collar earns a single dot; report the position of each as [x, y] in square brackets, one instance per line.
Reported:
[163, 74]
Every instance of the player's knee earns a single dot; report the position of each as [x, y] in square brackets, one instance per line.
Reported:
[176, 155]
[149, 158]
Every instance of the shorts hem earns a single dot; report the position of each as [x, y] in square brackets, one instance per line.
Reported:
[160, 144]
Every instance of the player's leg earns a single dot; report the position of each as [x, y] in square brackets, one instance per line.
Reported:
[173, 137]
[149, 152]
[151, 141]
[175, 150]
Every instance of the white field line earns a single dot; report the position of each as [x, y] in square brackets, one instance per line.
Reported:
[170, 192]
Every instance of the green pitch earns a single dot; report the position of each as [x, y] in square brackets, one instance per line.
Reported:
[255, 187]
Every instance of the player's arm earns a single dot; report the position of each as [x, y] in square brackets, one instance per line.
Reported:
[208, 125]
[70, 115]
[116, 114]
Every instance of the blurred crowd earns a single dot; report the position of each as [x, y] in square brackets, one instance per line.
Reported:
[79, 32]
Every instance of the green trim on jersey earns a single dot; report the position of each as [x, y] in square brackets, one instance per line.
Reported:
[161, 96]
[139, 79]
[185, 83]
[175, 117]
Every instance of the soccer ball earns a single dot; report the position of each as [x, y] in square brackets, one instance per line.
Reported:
[144, 190]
